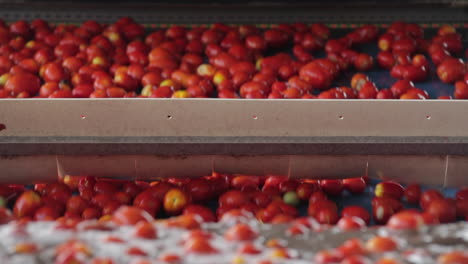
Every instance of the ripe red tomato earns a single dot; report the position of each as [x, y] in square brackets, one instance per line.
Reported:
[127, 215]
[240, 232]
[444, 210]
[46, 213]
[22, 82]
[389, 189]
[327, 215]
[356, 211]
[233, 199]
[146, 201]
[332, 187]
[316, 206]
[428, 196]
[200, 246]
[76, 205]
[145, 230]
[380, 244]
[408, 219]
[27, 204]
[354, 185]
[306, 189]
[413, 193]
[204, 212]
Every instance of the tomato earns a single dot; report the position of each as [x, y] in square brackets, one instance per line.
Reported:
[428, 196]
[332, 187]
[5, 216]
[27, 204]
[204, 212]
[384, 208]
[145, 230]
[46, 213]
[146, 201]
[240, 232]
[444, 210]
[22, 82]
[105, 187]
[261, 198]
[356, 211]
[407, 219]
[352, 247]
[363, 62]
[317, 196]
[327, 257]
[76, 204]
[389, 189]
[380, 244]
[413, 193]
[102, 199]
[462, 194]
[91, 213]
[199, 246]
[354, 185]
[199, 189]
[327, 215]
[305, 190]
[287, 186]
[127, 215]
[248, 249]
[453, 257]
[316, 206]
[233, 199]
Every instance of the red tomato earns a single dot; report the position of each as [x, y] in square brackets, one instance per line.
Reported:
[305, 190]
[380, 244]
[356, 211]
[27, 204]
[204, 212]
[200, 190]
[315, 207]
[444, 210]
[462, 194]
[317, 196]
[332, 187]
[413, 193]
[199, 246]
[249, 249]
[327, 215]
[240, 232]
[76, 205]
[147, 202]
[407, 219]
[145, 230]
[354, 185]
[453, 257]
[127, 215]
[233, 199]
[428, 196]
[352, 247]
[46, 213]
[5, 216]
[328, 256]
[389, 189]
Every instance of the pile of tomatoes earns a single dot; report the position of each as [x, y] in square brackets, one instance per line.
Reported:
[123, 59]
[271, 199]
[244, 204]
